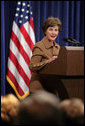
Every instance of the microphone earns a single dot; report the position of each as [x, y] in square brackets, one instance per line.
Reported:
[71, 40]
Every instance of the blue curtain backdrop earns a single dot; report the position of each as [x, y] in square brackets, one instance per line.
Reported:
[2, 50]
[71, 14]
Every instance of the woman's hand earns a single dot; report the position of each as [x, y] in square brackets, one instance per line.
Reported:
[52, 59]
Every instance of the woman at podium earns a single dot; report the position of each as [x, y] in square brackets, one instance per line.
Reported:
[44, 51]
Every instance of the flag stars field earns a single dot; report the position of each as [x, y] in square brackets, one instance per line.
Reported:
[23, 11]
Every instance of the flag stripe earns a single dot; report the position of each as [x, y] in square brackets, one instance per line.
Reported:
[20, 59]
[14, 81]
[18, 67]
[27, 37]
[30, 31]
[20, 48]
[16, 74]
[31, 24]
[22, 40]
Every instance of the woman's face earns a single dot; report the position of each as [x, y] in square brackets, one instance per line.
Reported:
[52, 33]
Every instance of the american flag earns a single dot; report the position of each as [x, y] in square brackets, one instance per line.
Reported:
[20, 50]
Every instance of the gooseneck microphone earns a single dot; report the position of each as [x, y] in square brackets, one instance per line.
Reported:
[71, 40]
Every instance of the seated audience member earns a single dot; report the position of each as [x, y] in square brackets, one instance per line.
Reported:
[9, 108]
[40, 108]
[74, 109]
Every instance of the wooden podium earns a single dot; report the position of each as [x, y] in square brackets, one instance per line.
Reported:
[65, 74]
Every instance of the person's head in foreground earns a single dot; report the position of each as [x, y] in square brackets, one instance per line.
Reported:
[9, 108]
[40, 108]
[74, 109]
